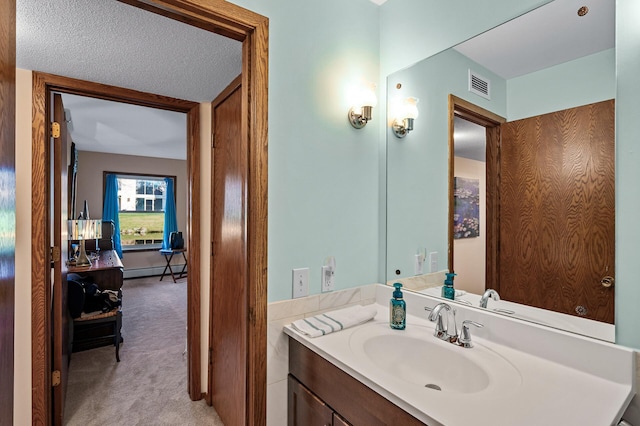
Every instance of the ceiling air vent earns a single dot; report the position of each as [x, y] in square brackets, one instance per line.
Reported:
[479, 85]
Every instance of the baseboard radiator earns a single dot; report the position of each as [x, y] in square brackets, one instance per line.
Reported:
[151, 271]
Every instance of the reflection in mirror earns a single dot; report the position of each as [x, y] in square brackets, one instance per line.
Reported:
[418, 195]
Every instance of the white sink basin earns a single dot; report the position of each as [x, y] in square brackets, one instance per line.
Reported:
[419, 359]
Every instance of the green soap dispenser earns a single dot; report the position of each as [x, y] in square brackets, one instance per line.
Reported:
[448, 292]
[397, 309]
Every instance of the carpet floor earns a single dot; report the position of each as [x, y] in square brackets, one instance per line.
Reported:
[149, 384]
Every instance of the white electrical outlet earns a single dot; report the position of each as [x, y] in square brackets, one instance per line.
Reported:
[328, 279]
[433, 261]
[328, 274]
[300, 282]
[418, 266]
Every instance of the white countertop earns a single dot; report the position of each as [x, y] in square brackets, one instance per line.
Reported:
[550, 391]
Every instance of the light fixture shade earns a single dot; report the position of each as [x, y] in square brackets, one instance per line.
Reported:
[84, 229]
[406, 113]
[366, 96]
[410, 108]
[363, 100]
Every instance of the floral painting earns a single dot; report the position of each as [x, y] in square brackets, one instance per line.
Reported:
[466, 218]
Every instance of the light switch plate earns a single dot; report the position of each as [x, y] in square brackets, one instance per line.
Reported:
[300, 282]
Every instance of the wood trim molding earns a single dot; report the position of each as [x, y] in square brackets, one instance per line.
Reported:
[7, 204]
[43, 85]
[492, 122]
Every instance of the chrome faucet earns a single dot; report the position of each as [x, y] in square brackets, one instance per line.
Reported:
[442, 331]
[465, 335]
[489, 294]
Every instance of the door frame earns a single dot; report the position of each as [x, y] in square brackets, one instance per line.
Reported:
[490, 121]
[251, 29]
[7, 204]
[43, 86]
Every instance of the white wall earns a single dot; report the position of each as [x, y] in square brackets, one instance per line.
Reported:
[469, 254]
[22, 336]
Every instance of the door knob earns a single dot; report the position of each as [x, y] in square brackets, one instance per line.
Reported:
[607, 281]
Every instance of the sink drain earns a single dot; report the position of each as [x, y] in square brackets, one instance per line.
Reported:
[432, 386]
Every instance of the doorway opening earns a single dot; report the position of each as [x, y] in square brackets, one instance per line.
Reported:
[252, 30]
[462, 112]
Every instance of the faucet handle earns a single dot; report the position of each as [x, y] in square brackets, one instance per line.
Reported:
[434, 315]
[465, 335]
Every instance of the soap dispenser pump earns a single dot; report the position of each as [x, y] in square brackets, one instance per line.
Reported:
[397, 309]
[448, 292]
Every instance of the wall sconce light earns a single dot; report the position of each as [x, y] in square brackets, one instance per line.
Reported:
[364, 101]
[407, 112]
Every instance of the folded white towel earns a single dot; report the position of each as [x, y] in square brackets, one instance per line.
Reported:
[340, 319]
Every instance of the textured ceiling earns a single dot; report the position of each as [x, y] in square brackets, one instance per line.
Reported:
[116, 44]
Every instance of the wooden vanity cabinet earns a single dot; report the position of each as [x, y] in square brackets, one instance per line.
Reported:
[322, 394]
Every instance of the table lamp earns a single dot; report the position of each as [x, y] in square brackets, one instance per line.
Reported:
[81, 230]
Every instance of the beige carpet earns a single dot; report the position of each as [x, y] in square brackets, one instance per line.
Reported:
[149, 384]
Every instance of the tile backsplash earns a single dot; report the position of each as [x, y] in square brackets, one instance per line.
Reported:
[285, 312]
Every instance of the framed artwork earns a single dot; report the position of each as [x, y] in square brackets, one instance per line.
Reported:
[466, 216]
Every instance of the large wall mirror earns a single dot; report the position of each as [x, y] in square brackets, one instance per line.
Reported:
[507, 177]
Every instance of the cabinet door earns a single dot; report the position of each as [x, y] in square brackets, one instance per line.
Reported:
[306, 409]
[339, 421]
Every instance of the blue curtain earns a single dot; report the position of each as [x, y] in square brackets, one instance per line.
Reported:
[110, 210]
[170, 220]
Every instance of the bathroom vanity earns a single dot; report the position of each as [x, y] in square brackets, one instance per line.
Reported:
[516, 373]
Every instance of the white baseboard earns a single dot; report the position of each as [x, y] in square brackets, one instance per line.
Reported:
[152, 271]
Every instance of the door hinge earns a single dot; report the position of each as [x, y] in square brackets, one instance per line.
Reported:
[211, 248]
[55, 253]
[55, 378]
[210, 355]
[212, 141]
[55, 130]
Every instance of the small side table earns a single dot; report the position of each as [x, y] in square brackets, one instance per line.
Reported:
[168, 256]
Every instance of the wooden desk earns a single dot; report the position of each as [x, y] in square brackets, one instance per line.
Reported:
[107, 271]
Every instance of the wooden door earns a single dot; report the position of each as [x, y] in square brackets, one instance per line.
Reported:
[228, 365]
[60, 320]
[557, 216]
[7, 205]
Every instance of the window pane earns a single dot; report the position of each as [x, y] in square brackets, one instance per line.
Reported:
[141, 204]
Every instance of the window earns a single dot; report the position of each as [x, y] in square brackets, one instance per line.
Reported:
[141, 210]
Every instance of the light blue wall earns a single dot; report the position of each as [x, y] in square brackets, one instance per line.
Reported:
[575, 83]
[417, 172]
[627, 173]
[323, 173]
[326, 179]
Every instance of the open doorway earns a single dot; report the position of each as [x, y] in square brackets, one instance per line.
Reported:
[251, 29]
[145, 148]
